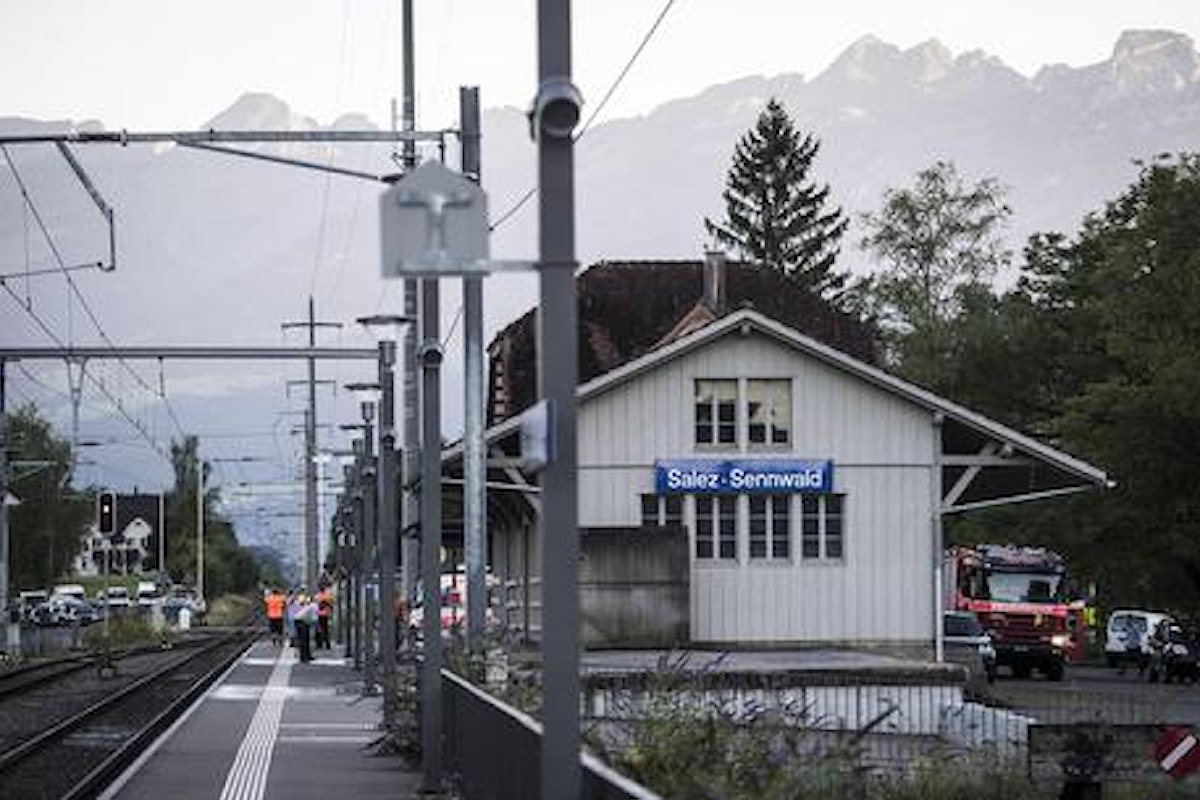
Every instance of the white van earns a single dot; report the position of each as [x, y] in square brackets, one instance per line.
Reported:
[70, 590]
[1127, 636]
[147, 593]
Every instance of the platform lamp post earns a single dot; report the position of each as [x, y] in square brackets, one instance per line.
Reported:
[369, 474]
[388, 495]
[356, 493]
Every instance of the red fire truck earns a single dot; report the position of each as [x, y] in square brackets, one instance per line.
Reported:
[1022, 597]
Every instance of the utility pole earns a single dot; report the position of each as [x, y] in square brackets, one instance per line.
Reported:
[557, 110]
[474, 462]
[5, 619]
[311, 548]
[409, 546]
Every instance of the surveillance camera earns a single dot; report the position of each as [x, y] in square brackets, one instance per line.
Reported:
[556, 109]
[430, 354]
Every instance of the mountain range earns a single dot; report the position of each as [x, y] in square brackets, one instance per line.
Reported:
[215, 249]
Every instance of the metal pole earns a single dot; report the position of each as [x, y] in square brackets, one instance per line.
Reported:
[474, 463]
[557, 374]
[357, 541]
[310, 464]
[431, 539]
[4, 549]
[162, 534]
[370, 541]
[199, 525]
[387, 530]
[410, 555]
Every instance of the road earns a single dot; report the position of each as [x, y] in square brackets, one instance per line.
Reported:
[1095, 693]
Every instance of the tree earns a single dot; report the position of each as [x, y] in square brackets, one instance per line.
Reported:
[49, 526]
[940, 246]
[228, 567]
[775, 215]
[1118, 306]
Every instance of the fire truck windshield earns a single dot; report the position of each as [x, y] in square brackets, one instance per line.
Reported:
[1023, 587]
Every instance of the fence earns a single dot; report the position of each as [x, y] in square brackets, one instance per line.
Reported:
[494, 751]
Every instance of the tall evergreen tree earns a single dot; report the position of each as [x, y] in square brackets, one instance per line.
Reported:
[775, 214]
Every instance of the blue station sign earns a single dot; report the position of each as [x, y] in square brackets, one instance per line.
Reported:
[704, 476]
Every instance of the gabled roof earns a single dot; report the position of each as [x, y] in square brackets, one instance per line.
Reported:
[630, 308]
[984, 462]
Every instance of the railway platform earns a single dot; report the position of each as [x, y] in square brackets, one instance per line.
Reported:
[273, 728]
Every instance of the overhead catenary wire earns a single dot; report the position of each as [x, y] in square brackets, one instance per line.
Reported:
[612, 89]
[116, 402]
[50, 243]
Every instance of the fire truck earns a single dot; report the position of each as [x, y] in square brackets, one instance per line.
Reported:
[1022, 597]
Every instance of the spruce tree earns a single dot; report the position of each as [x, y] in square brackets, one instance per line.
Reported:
[775, 215]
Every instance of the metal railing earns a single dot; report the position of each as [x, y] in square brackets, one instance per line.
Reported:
[494, 752]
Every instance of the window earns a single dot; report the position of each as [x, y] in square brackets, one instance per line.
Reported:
[716, 527]
[716, 412]
[770, 526]
[769, 412]
[821, 528]
[662, 510]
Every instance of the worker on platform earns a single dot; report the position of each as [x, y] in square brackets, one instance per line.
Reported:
[305, 619]
[276, 603]
[324, 616]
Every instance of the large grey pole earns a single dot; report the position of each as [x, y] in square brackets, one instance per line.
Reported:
[200, 525]
[474, 462]
[4, 557]
[388, 533]
[557, 112]
[430, 356]
[411, 387]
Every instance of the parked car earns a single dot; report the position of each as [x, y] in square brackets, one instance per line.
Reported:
[967, 643]
[75, 590]
[117, 597]
[1127, 637]
[1174, 652]
[64, 609]
[147, 594]
[28, 601]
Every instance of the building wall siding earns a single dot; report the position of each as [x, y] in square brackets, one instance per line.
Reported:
[881, 446]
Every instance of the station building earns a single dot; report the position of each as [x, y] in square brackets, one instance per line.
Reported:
[748, 474]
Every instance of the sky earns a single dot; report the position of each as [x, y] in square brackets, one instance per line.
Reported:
[153, 65]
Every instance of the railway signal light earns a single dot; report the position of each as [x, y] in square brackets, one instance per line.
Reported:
[106, 513]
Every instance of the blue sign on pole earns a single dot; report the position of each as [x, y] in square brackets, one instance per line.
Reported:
[702, 476]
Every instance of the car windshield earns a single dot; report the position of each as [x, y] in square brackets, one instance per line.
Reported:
[1023, 587]
[962, 625]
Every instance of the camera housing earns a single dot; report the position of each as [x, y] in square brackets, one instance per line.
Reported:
[431, 354]
[556, 109]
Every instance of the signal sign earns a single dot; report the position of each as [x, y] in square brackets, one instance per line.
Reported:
[1176, 751]
[106, 513]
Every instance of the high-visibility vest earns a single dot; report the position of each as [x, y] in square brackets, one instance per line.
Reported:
[325, 603]
[275, 604]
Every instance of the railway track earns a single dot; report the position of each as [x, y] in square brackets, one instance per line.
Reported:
[65, 734]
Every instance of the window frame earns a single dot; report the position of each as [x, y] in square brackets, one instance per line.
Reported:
[776, 537]
[773, 425]
[716, 426]
[823, 522]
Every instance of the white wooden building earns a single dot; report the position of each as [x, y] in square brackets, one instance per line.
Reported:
[811, 485]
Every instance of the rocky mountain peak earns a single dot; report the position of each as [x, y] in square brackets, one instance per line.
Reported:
[259, 111]
[1154, 61]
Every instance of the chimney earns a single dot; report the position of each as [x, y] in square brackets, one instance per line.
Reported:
[714, 280]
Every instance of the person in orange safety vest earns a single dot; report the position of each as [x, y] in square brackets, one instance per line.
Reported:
[276, 607]
[324, 616]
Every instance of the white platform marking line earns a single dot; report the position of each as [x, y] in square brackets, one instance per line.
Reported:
[247, 778]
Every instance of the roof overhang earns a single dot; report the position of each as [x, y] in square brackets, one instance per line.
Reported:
[984, 463]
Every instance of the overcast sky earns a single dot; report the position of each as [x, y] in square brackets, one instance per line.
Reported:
[155, 65]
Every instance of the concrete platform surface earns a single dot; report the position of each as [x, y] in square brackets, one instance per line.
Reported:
[273, 729]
